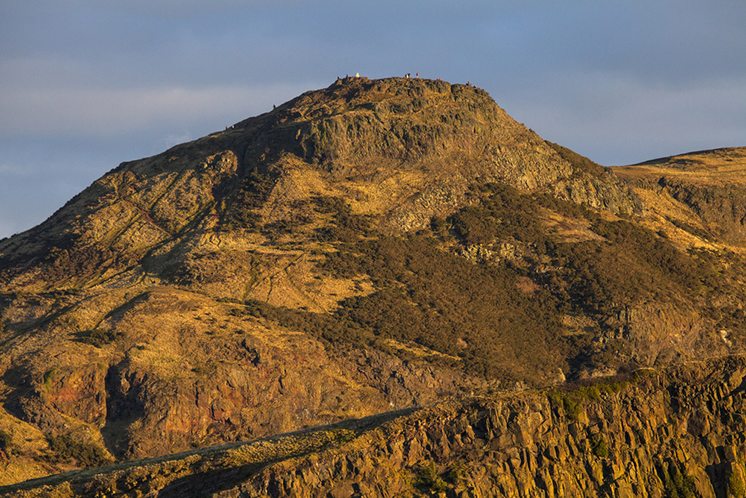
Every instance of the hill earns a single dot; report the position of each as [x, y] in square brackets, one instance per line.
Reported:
[703, 192]
[368, 247]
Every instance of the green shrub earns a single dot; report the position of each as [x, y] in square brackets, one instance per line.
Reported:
[592, 276]
[48, 377]
[676, 483]
[97, 337]
[736, 484]
[428, 480]
[344, 226]
[573, 401]
[70, 447]
[456, 474]
[432, 297]
[427, 294]
[6, 443]
[599, 447]
[502, 213]
[241, 205]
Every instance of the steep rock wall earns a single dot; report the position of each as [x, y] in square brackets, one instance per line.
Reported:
[681, 433]
[677, 432]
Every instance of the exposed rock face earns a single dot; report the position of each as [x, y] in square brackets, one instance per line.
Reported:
[681, 432]
[678, 432]
[403, 151]
[710, 183]
[367, 247]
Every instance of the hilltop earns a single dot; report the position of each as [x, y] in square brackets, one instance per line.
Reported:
[705, 190]
[367, 247]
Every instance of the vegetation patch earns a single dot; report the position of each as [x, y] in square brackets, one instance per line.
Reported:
[736, 483]
[345, 226]
[69, 447]
[434, 298]
[599, 446]
[429, 295]
[6, 443]
[97, 337]
[242, 204]
[676, 482]
[428, 480]
[574, 401]
[627, 264]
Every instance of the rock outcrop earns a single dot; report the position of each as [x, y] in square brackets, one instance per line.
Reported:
[712, 184]
[677, 432]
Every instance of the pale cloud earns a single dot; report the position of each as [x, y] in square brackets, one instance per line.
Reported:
[87, 84]
[7, 170]
[9, 225]
[616, 119]
[97, 112]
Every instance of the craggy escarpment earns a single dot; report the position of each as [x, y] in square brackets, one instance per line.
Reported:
[722, 209]
[400, 151]
[366, 247]
[710, 183]
[678, 432]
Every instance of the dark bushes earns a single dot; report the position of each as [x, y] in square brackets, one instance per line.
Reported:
[97, 337]
[490, 315]
[69, 447]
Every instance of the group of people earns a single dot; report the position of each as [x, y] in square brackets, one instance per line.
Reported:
[357, 75]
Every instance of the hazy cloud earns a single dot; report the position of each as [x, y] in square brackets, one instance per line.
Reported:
[8, 170]
[110, 111]
[87, 84]
[643, 119]
[8, 227]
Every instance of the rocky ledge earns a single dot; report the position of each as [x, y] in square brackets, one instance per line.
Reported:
[675, 432]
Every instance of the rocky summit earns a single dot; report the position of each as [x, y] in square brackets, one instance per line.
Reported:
[384, 287]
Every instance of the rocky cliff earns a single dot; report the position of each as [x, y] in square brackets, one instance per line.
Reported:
[709, 184]
[367, 247]
[677, 432]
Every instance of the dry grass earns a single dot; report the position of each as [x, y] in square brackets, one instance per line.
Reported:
[296, 283]
[22, 451]
[285, 447]
[718, 167]
[418, 350]
[567, 229]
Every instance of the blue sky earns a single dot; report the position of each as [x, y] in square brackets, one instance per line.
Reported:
[85, 85]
